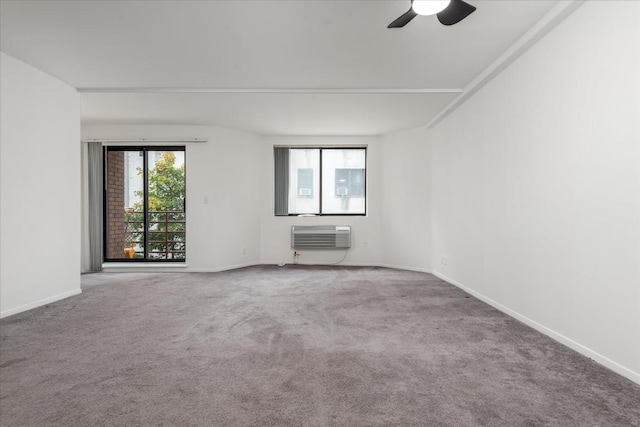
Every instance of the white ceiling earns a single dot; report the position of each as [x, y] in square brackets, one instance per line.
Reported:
[173, 61]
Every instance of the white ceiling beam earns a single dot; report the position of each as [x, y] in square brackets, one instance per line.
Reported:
[548, 22]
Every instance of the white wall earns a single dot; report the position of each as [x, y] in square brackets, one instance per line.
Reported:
[223, 176]
[234, 170]
[536, 187]
[40, 188]
[366, 230]
[406, 207]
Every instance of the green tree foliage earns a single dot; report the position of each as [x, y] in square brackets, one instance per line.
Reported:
[166, 184]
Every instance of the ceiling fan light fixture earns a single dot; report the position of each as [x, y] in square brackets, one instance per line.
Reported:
[429, 7]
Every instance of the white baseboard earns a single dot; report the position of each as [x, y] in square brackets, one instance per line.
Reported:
[39, 303]
[404, 267]
[343, 263]
[219, 269]
[585, 351]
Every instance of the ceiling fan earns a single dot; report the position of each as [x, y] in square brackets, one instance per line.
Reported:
[449, 12]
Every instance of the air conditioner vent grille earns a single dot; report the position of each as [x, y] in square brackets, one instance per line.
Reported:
[321, 237]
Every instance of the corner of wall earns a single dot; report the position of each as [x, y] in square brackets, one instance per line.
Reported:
[39, 218]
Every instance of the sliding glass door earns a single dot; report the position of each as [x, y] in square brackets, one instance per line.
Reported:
[144, 195]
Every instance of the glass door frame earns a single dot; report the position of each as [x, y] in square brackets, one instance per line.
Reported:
[145, 187]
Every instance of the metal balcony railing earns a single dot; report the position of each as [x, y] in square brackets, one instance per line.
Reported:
[166, 234]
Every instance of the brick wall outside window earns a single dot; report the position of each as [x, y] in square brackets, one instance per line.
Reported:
[115, 205]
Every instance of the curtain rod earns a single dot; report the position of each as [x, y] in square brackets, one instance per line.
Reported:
[331, 91]
[143, 140]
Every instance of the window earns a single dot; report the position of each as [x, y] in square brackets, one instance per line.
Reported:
[320, 181]
[350, 182]
[144, 204]
[305, 182]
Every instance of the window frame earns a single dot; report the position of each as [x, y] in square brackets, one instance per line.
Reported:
[145, 149]
[320, 167]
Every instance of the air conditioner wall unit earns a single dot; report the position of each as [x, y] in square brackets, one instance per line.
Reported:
[320, 237]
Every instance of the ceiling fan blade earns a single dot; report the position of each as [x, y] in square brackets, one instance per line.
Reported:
[403, 20]
[455, 12]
